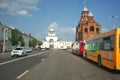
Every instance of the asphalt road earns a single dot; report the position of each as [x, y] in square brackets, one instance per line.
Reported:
[12, 68]
[55, 65]
[63, 65]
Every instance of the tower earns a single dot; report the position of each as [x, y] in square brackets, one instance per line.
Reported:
[87, 26]
[51, 37]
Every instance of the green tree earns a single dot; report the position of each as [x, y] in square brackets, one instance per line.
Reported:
[20, 39]
[16, 37]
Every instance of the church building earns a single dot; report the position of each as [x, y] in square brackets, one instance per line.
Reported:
[87, 26]
[53, 42]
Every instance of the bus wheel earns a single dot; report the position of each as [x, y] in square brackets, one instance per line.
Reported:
[99, 61]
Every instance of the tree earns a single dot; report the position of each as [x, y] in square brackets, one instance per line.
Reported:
[16, 37]
[20, 39]
[13, 40]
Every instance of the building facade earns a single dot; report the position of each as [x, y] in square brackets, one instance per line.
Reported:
[53, 42]
[87, 26]
[5, 36]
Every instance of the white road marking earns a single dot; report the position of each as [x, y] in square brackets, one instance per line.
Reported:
[22, 74]
[43, 59]
[20, 58]
[51, 54]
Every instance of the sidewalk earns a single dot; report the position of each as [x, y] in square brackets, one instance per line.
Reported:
[4, 55]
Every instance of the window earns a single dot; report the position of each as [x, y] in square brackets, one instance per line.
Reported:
[85, 30]
[112, 42]
[108, 43]
[91, 28]
[119, 40]
[97, 30]
[51, 40]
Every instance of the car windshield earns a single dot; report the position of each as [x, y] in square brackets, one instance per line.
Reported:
[18, 48]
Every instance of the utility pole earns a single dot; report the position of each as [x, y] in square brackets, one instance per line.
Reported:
[113, 18]
[4, 36]
[28, 40]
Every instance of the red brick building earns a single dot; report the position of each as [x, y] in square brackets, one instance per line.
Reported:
[87, 26]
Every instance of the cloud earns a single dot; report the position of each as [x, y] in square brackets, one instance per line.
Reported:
[18, 7]
[23, 13]
[68, 30]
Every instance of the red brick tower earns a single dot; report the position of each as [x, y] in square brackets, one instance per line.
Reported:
[87, 27]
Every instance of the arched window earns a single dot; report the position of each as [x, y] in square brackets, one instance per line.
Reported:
[51, 41]
[97, 30]
[86, 30]
[91, 28]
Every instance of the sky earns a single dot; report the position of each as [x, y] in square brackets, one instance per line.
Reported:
[35, 16]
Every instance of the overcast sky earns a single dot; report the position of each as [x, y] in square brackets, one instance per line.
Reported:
[35, 16]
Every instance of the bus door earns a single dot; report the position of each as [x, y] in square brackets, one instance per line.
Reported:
[117, 42]
[118, 53]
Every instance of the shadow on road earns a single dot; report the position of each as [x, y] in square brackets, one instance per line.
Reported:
[96, 65]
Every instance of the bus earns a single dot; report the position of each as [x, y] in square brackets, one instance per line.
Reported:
[104, 49]
[78, 47]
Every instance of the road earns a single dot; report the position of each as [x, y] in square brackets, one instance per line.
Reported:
[55, 65]
[11, 68]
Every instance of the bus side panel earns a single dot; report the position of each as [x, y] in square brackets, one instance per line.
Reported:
[117, 42]
[108, 60]
[92, 56]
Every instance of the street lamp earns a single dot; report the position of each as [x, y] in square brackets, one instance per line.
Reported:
[113, 18]
[28, 40]
[4, 38]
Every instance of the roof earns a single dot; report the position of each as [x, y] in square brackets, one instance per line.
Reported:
[91, 14]
[85, 9]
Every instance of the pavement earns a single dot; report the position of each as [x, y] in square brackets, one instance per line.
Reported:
[4, 55]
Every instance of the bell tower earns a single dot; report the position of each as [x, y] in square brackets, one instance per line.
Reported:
[87, 26]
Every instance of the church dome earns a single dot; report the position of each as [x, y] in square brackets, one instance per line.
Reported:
[85, 9]
[91, 14]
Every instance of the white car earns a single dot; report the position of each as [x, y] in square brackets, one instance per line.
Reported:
[28, 50]
[19, 51]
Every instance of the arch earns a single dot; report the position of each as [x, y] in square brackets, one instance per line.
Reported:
[51, 41]
[91, 28]
[86, 30]
[97, 30]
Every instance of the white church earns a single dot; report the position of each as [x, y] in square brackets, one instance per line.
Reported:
[53, 42]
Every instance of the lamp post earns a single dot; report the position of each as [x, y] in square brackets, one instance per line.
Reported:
[4, 37]
[28, 40]
[113, 18]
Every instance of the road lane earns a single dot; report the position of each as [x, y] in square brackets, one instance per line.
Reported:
[10, 71]
[62, 65]
[7, 56]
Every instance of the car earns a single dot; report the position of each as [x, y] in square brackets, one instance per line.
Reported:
[19, 51]
[28, 50]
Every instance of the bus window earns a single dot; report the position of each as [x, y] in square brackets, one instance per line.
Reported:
[83, 44]
[119, 40]
[108, 43]
[112, 42]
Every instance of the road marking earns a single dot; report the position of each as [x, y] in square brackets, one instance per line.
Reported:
[20, 58]
[51, 54]
[22, 74]
[43, 59]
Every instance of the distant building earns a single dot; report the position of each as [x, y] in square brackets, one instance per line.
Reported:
[5, 34]
[53, 42]
[87, 26]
